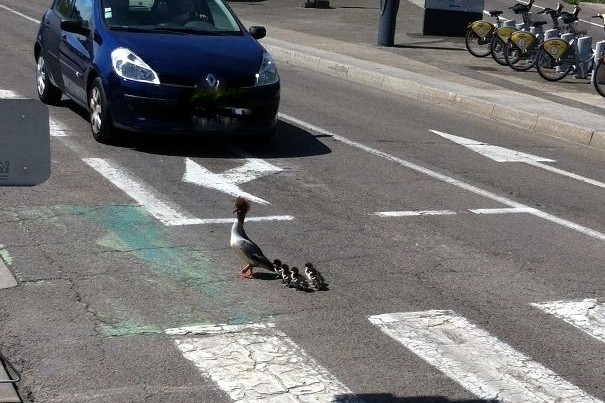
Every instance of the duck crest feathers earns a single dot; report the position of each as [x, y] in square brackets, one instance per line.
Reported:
[242, 205]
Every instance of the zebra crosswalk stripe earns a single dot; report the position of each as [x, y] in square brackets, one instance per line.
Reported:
[478, 361]
[587, 315]
[256, 362]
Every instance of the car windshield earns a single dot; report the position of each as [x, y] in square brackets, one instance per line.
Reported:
[175, 16]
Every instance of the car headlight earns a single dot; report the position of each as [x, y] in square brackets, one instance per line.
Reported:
[268, 71]
[129, 66]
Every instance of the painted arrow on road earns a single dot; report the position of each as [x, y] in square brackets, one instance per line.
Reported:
[227, 181]
[501, 154]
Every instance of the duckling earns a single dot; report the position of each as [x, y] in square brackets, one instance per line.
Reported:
[243, 247]
[297, 281]
[277, 267]
[315, 277]
[277, 264]
[285, 274]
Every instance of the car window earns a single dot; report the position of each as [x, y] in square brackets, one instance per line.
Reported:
[178, 16]
[82, 10]
[62, 7]
[221, 15]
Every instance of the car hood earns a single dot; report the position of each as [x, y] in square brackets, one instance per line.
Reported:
[195, 56]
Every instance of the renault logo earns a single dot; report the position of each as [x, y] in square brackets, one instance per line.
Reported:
[212, 81]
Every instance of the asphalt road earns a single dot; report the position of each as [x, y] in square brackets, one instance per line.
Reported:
[101, 278]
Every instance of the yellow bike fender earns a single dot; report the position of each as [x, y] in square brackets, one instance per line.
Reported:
[504, 32]
[481, 28]
[555, 47]
[522, 39]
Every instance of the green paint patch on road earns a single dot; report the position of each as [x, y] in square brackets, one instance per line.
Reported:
[132, 229]
[129, 328]
[5, 256]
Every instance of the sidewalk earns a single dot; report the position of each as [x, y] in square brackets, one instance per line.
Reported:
[342, 41]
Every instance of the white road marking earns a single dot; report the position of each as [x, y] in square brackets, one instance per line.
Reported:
[479, 362]
[416, 213]
[6, 277]
[501, 154]
[56, 129]
[445, 178]
[162, 211]
[587, 315]
[159, 209]
[256, 362]
[227, 182]
[20, 14]
[496, 153]
[254, 168]
[511, 210]
[10, 94]
[248, 219]
[566, 173]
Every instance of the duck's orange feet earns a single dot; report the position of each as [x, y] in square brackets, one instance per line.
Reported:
[246, 272]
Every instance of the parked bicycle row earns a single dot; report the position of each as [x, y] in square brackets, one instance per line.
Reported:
[556, 52]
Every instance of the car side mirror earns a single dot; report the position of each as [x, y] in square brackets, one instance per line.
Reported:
[75, 26]
[257, 32]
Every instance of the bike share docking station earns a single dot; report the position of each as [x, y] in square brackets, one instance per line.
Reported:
[441, 17]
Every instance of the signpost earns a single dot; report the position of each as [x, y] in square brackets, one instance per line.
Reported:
[388, 19]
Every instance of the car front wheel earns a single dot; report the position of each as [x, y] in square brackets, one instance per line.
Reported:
[100, 119]
[47, 91]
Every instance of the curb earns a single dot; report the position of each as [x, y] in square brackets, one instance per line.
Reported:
[460, 101]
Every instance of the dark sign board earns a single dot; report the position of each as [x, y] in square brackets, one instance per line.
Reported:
[24, 142]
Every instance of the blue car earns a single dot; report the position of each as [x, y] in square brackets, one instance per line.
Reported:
[158, 66]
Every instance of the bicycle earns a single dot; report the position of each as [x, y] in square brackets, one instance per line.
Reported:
[479, 35]
[558, 57]
[502, 34]
[522, 47]
[598, 78]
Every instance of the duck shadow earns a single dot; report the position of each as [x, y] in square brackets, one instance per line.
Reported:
[266, 276]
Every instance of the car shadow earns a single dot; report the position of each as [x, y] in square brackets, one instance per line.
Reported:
[289, 142]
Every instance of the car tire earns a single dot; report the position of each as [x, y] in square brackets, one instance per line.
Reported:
[47, 91]
[100, 119]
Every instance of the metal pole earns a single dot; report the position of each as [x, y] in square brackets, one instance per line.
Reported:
[388, 19]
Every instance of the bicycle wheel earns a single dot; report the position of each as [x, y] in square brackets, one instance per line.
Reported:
[498, 48]
[518, 59]
[599, 77]
[477, 46]
[552, 69]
